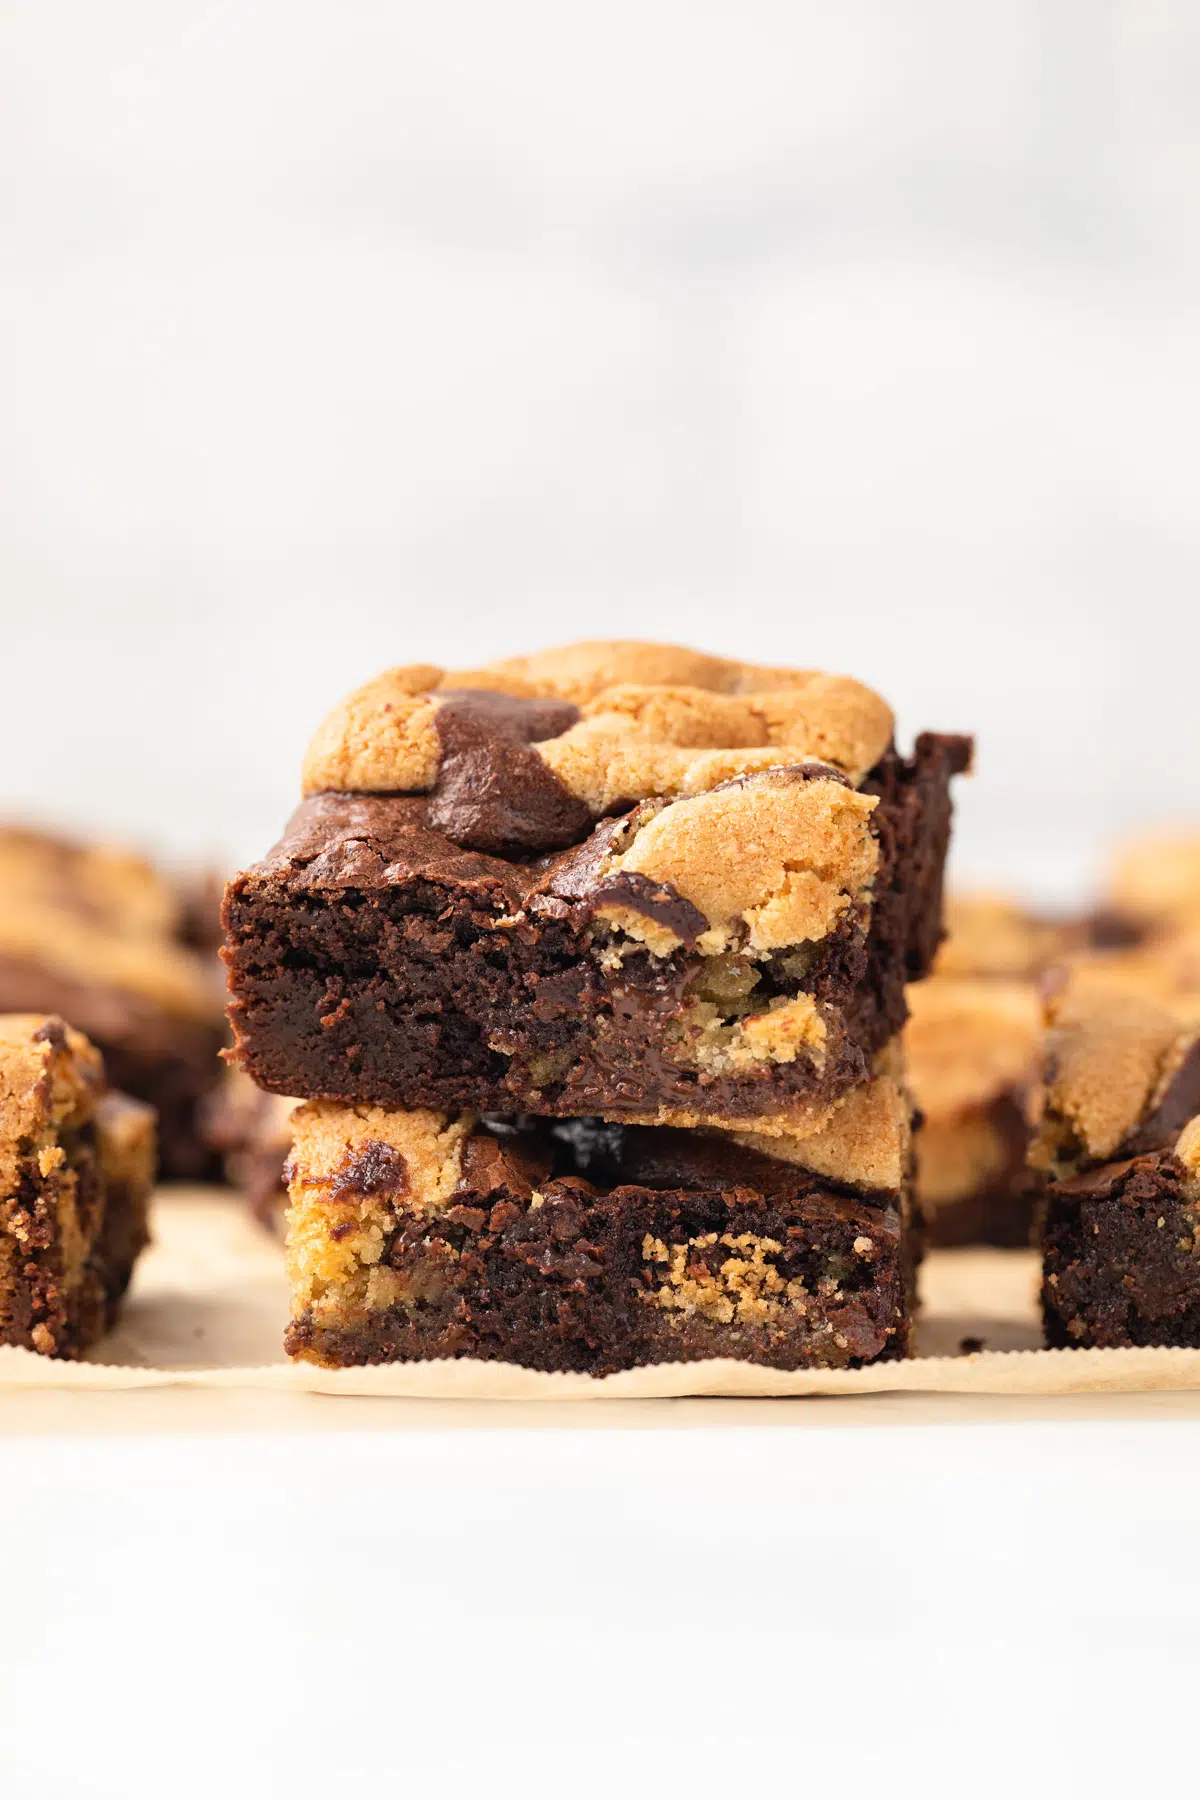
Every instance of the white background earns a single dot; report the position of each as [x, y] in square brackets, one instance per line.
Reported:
[863, 335]
[994, 1611]
[334, 335]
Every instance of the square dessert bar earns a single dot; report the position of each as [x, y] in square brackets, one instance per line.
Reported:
[1119, 1152]
[91, 935]
[580, 1245]
[76, 1168]
[971, 1047]
[617, 879]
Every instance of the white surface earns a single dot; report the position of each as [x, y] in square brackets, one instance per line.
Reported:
[924, 1611]
[334, 336]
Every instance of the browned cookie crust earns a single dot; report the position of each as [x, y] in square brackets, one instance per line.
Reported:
[76, 1168]
[729, 954]
[583, 1246]
[92, 935]
[1119, 1153]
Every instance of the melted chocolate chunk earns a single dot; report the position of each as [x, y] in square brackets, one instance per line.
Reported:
[377, 1169]
[493, 792]
[656, 900]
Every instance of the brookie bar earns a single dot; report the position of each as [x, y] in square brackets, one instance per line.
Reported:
[578, 1245]
[89, 934]
[615, 879]
[971, 1048]
[76, 1167]
[1119, 1152]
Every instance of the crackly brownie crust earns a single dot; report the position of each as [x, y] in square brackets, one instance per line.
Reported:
[93, 936]
[1118, 1151]
[584, 1246]
[734, 956]
[76, 1168]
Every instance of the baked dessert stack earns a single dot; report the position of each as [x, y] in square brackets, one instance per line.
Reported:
[590, 968]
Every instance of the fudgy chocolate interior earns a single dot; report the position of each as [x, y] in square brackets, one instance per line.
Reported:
[1121, 1257]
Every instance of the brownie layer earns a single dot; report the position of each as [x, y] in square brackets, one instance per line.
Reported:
[589, 1247]
[166, 1059]
[371, 958]
[1121, 1256]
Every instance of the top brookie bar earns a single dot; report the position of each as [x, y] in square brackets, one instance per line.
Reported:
[614, 879]
[1119, 1155]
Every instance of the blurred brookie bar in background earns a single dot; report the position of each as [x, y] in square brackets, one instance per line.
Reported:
[973, 1041]
[101, 938]
[972, 1045]
[972, 1049]
[251, 1131]
[1117, 1159]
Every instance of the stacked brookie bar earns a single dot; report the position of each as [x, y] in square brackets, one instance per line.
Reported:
[591, 969]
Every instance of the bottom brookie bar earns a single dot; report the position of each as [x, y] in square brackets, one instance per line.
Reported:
[76, 1168]
[574, 1244]
[1119, 1149]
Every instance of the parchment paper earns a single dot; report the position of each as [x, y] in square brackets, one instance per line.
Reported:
[209, 1302]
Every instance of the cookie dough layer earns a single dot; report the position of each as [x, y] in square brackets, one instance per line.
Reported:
[1119, 1154]
[76, 1168]
[735, 958]
[585, 1246]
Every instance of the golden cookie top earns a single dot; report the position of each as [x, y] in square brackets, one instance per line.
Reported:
[614, 722]
[1122, 1078]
